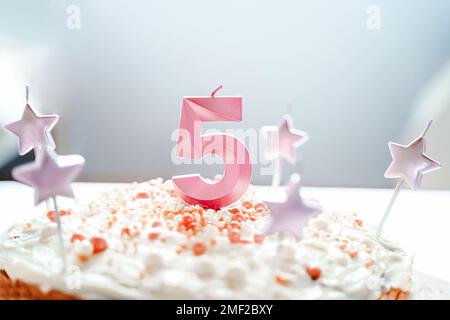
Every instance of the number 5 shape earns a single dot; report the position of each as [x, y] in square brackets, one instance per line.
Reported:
[192, 144]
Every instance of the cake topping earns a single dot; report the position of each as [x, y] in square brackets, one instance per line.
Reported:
[314, 273]
[142, 195]
[98, 244]
[199, 248]
[76, 237]
[51, 214]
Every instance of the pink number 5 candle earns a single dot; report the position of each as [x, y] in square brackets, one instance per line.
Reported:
[194, 145]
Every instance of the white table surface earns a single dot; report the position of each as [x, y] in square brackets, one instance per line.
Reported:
[419, 221]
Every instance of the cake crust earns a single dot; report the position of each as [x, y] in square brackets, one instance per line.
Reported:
[20, 290]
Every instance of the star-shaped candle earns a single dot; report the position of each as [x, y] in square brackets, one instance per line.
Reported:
[281, 144]
[50, 176]
[292, 214]
[33, 129]
[409, 164]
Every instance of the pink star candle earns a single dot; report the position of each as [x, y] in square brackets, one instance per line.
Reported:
[51, 175]
[192, 144]
[282, 142]
[409, 164]
[33, 129]
[292, 214]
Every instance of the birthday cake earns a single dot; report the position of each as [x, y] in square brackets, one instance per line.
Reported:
[193, 238]
[145, 242]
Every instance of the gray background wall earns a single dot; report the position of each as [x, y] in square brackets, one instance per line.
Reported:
[118, 81]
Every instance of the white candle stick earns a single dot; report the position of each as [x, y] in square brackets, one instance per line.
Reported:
[398, 186]
[60, 232]
[276, 177]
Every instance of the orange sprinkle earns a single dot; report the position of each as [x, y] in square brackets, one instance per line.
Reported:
[153, 235]
[77, 236]
[235, 225]
[99, 245]
[142, 195]
[234, 236]
[238, 217]
[199, 248]
[258, 238]
[51, 214]
[83, 258]
[358, 223]
[353, 254]
[247, 204]
[281, 280]
[235, 210]
[187, 220]
[156, 224]
[314, 273]
[125, 231]
[197, 211]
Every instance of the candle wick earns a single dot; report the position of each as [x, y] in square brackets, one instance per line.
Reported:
[289, 108]
[215, 91]
[427, 128]
[27, 93]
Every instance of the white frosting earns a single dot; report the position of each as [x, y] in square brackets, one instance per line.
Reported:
[353, 264]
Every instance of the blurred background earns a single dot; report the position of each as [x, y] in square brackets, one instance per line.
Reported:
[356, 74]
